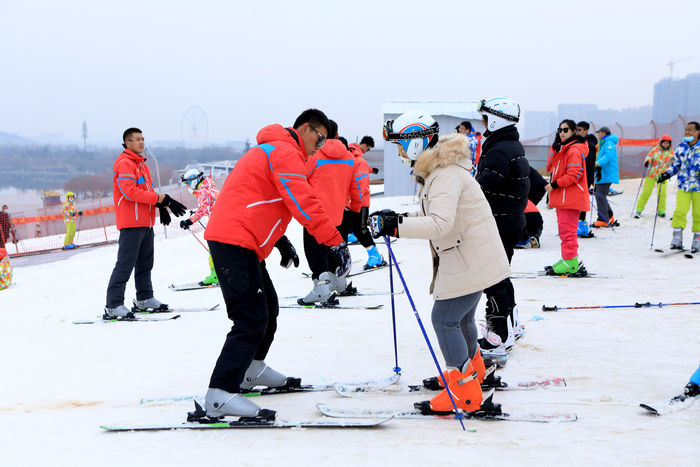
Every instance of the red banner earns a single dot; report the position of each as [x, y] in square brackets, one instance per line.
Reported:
[29, 220]
[639, 142]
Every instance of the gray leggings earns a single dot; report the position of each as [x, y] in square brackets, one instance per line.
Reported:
[453, 321]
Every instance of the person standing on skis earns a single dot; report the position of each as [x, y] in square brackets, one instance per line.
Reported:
[657, 161]
[69, 213]
[468, 255]
[264, 191]
[205, 190]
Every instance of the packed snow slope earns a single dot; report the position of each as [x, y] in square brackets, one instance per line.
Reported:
[61, 381]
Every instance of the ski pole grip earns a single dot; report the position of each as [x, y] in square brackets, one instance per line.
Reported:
[549, 308]
[640, 305]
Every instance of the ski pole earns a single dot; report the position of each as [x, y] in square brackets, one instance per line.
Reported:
[634, 206]
[200, 242]
[636, 305]
[601, 215]
[606, 199]
[459, 415]
[397, 368]
[656, 216]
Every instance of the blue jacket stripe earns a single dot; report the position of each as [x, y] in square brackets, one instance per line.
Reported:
[284, 182]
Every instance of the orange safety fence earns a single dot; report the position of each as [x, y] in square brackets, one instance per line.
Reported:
[34, 224]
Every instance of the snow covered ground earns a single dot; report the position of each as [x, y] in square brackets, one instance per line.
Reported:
[59, 382]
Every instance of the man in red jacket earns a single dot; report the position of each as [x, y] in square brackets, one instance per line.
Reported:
[135, 202]
[265, 189]
[330, 172]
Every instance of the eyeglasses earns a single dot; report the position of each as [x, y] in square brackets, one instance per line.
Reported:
[321, 138]
[563, 130]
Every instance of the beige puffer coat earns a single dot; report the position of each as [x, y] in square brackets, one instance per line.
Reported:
[468, 255]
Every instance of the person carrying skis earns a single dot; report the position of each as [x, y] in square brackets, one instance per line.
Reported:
[657, 161]
[69, 213]
[205, 190]
[568, 193]
[468, 255]
[135, 202]
[503, 173]
[358, 223]
[264, 191]
[330, 171]
[5, 269]
[686, 163]
[607, 173]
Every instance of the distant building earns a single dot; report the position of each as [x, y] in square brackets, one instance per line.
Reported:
[537, 123]
[576, 112]
[674, 97]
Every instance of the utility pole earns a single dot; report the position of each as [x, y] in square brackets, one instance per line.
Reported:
[85, 136]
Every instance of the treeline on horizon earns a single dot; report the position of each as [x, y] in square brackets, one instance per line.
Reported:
[73, 160]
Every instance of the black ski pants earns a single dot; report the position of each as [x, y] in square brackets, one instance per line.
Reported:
[251, 303]
[135, 254]
[318, 256]
[358, 226]
[501, 296]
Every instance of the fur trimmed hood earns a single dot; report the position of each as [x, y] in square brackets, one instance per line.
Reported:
[451, 149]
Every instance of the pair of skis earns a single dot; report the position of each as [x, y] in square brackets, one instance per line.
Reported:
[198, 421]
[672, 251]
[148, 317]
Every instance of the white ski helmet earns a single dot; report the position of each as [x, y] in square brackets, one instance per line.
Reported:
[413, 132]
[499, 112]
[192, 178]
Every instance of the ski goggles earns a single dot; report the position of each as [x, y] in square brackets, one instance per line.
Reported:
[483, 108]
[389, 135]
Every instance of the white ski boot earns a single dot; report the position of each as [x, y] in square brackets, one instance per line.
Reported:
[491, 343]
[119, 312]
[150, 304]
[677, 241]
[518, 327]
[259, 374]
[220, 403]
[321, 293]
[340, 285]
[695, 246]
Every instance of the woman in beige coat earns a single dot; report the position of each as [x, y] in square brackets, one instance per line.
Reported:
[468, 255]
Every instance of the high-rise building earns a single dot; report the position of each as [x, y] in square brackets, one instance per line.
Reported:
[674, 97]
[538, 123]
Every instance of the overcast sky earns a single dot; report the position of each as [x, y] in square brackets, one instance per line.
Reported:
[142, 63]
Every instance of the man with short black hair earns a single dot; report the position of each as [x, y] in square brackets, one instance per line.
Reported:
[135, 203]
[582, 128]
[265, 189]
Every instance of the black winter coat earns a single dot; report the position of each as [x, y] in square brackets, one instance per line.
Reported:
[590, 159]
[503, 173]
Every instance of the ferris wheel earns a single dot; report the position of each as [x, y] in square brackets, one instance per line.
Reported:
[194, 128]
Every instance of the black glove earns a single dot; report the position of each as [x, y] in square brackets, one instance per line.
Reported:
[646, 163]
[375, 170]
[598, 173]
[384, 222]
[185, 224]
[342, 258]
[287, 252]
[663, 177]
[164, 215]
[175, 206]
[80, 213]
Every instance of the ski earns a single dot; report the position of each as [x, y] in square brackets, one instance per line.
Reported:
[669, 251]
[417, 414]
[174, 310]
[358, 294]
[252, 423]
[331, 307]
[692, 254]
[364, 271]
[265, 391]
[537, 274]
[674, 404]
[347, 390]
[127, 320]
[192, 286]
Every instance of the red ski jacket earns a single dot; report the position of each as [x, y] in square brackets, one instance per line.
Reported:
[265, 189]
[134, 197]
[330, 172]
[361, 176]
[568, 168]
